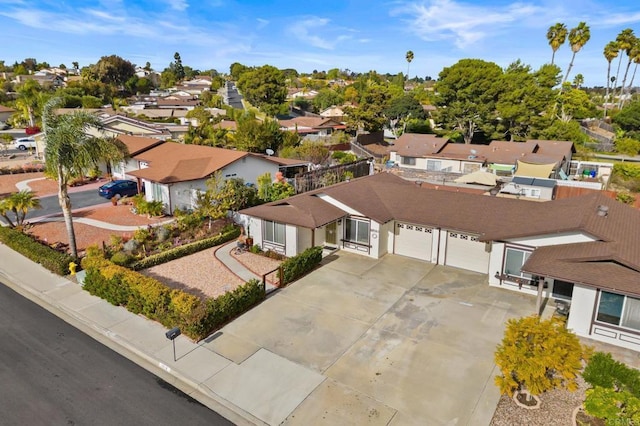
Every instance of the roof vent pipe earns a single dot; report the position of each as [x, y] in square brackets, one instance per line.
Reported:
[603, 210]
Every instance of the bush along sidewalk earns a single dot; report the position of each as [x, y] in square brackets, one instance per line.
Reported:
[53, 260]
[197, 318]
[301, 264]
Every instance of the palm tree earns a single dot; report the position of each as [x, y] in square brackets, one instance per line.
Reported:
[636, 61]
[578, 37]
[19, 203]
[632, 51]
[70, 151]
[409, 58]
[610, 52]
[557, 34]
[578, 80]
[28, 97]
[625, 40]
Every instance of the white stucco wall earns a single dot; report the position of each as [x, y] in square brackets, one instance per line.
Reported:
[375, 229]
[385, 237]
[582, 303]
[249, 168]
[291, 240]
[182, 194]
[304, 240]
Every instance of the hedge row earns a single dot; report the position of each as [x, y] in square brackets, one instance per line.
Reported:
[53, 260]
[170, 307]
[187, 249]
[26, 168]
[297, 266]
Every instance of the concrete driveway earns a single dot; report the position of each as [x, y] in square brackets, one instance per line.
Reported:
[391, 341]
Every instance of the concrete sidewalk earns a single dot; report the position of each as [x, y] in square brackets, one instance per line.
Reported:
[213, 374]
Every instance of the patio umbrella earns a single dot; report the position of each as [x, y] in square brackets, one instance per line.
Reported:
[480, 177]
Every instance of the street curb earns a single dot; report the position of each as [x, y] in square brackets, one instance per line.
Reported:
[137, 356]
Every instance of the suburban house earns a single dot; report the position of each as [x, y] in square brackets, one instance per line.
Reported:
[174, 173]
[577, 249]
[311, 125]
[533, 158]
[136, 145]
[116, 125]
[6, 113]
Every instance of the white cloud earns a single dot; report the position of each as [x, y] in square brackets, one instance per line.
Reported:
[317, 33]
[262, 23]
[617, 19]
[465, 23]
[179, 5]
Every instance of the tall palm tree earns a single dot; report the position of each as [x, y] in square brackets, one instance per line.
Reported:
[636, 61]
[578, 37]
[632, 52]
[625, 40]
[557, 35]
[70, 151]
[610, 52]
[409, 58]
[28, 97]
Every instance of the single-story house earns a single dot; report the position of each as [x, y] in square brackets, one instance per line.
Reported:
[311, 125]
[533, 188]
[533, 158]
[6, 113]
[174, 173]
[578, 249]
[136, 145]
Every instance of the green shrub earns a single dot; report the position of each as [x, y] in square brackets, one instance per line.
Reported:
[53, 260]
[297, 266]
[602, 370]
[626, 170]
[185, 250]
[121, 258]
[144, 295]
[155, 208]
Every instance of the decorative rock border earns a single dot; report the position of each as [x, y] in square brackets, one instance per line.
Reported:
[528, 407]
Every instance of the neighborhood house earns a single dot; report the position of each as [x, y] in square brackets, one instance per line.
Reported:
[580, 250]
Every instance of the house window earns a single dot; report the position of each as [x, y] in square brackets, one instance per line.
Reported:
[616, 309]
[274, 232]
[157, 191]
[434, 165]
[514, 259]
[409, 161]
[357, 231]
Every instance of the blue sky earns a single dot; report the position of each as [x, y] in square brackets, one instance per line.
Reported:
[359, 35]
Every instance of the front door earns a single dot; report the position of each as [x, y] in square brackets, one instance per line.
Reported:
[330, 234]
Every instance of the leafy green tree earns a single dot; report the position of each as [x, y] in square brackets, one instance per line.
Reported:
[627, 146]
[538, 356]
[237, 69]
[313, 152]
[91, 102]
[578, 37]
[628, 119]
[113, 70]
[525, 99]
[467, 95]
[19, 203]
[264, 88]
[178, 69]
[556, 35]
[326, 98]
[576, 103]
[70, 151]
[561, 130]
[255, 136]
[222, 195]
[273, 191]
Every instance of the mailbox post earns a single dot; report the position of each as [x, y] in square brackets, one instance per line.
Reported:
[171, 335]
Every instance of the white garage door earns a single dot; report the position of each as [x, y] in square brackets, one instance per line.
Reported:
[466, 252]
[413, 241]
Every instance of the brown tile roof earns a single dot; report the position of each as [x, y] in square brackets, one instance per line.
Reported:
[419, 145]
[314, 122]
[306, 211]
[461, 151]
[227, 125]
[280, 160]
[6, 109]
[178, 102]
[138, 144]
[174, 162]
[384, 197]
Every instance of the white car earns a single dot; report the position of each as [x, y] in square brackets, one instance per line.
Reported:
[25, 143]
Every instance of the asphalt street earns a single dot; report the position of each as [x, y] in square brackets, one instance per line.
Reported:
[80, 199]
[52, 374]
